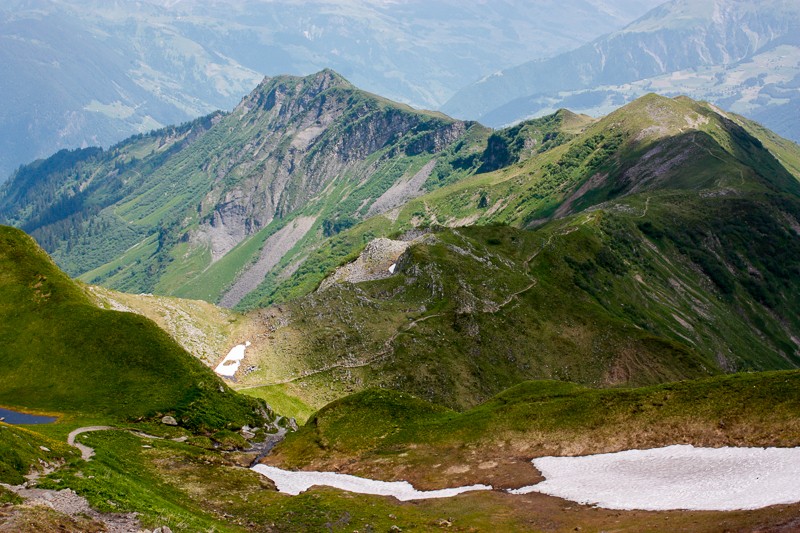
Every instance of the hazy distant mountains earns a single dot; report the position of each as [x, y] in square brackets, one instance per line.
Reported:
[742, 56]
[94, 72]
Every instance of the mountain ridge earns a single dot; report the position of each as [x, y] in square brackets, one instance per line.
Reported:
[234, 220]
[631, 250]
[91, 72]
[227, 183]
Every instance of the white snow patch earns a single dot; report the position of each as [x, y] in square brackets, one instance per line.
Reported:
[296, 482]
[675, 477]
[230, 364]
[391, 268]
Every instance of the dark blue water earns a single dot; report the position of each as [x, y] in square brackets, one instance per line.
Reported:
[13, 417]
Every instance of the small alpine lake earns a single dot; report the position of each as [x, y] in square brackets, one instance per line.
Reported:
[15, 417]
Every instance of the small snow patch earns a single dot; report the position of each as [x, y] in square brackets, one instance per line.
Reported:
[296, 482]
[230, 364]
[675, 477]
[391, 268]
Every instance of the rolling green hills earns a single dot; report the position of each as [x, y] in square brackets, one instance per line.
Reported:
[652, 145]
[566, 286]
[379, 433]
[656, 244]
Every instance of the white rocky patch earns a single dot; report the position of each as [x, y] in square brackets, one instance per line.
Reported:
[675, 477]
[275, 247]
[230, 364]
[378, 260]
[296, 482]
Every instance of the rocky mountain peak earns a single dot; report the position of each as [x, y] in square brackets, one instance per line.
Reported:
[273, 92]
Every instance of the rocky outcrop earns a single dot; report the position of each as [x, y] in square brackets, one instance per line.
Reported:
[306, 133]
[379, 260]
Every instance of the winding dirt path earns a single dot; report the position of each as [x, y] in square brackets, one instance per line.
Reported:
[86, 451]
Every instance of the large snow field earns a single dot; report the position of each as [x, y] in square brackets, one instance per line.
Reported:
[679, 477]
[675, 477]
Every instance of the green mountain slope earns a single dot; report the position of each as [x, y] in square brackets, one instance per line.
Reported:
[665, 247]
[657, 244]
[555, 416]
[206, 209]
[658, 231]
[388, 435]
[603, 299]
[60, 353]
[651, 145]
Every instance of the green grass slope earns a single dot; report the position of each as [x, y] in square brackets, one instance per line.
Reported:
[605, 298]
[60, 353]
[561, 165]
[663, 246]
[23, 451]
[187, 211]
[652, 144]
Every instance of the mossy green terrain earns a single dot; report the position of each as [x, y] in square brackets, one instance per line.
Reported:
[23, 451]
[672, 254]
[604, 298]
[390, 435]
[652, 145]
[625, 283]
[62, 355]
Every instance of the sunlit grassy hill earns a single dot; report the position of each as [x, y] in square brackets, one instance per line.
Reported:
[60, 353]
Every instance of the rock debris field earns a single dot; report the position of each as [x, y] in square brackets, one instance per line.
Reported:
[679, 477]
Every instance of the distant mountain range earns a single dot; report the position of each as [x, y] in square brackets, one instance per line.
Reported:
[742, 56]
[94, 72]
